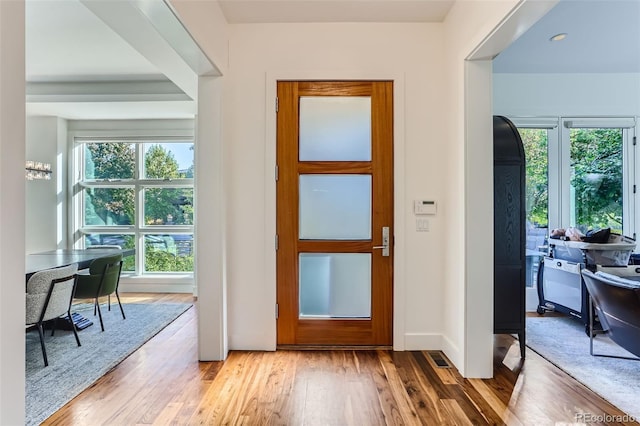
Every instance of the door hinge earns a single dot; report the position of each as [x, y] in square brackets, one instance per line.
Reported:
[277, 311]
[277, 172]
[634, 189]
[276, 242]
[277, 104]
[634, 235]
[634, 141]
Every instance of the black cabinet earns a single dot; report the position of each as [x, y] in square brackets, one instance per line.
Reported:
[509, 230]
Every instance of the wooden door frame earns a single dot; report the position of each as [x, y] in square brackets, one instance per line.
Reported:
[399, 281]
[377, 328]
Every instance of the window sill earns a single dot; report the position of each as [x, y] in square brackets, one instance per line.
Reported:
[166, 283]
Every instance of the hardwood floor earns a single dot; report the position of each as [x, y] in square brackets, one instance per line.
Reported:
[163, 383]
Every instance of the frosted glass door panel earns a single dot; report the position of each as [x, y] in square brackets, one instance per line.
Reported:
[335, 285]
[335, 207]
[335, 128]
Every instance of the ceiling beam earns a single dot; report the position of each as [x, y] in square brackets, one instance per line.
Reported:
[512, 26]
[114, 110]
[167, 23]
[129, 22]
[104, 91]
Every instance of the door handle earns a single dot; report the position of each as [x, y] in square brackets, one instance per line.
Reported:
[385, 242]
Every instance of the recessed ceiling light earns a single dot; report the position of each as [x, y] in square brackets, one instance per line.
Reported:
[558, 37]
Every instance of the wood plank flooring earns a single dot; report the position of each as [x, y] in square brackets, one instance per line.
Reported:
[163, 384]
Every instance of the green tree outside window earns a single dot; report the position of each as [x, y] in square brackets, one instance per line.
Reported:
[106, 206]
[596, 178]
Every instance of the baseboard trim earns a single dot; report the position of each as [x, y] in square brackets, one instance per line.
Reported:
[422, 341]
[452, 352]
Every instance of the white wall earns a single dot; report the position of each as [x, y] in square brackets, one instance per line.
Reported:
[443, 299]
[46, 200]
[210, 226]
[207, 25]
[468, 298]
[566, 94]
[261, 53]
[12, 221]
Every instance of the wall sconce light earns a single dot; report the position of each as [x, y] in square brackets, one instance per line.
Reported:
[37, 170]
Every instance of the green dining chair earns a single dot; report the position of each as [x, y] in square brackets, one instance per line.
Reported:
[102, 280]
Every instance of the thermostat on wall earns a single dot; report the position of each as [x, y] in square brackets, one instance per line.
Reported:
[424, 207]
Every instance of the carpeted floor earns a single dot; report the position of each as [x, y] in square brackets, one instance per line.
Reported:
[72, 369]
[563, 342]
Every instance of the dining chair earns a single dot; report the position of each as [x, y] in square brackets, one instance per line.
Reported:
[105, 246]
[617, 303]
[49, 296]
[102, 280]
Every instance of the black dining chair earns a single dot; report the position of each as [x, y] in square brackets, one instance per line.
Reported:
[49, 296]
[616, 301]
[102, 280]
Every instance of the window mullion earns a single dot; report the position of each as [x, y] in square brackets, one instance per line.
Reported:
[555, 178]
[139, 206]
[566, 211]
[629, 179]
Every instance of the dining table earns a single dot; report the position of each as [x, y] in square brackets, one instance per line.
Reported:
[63, 257]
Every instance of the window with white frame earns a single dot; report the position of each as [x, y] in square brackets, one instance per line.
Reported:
[580, 172]
[137, 193]
[598, 173]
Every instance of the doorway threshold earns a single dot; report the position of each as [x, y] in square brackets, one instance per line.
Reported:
[334, 348]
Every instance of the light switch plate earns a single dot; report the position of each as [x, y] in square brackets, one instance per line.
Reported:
[422, 224]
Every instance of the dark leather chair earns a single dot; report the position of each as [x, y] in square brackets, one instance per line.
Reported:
[617, 303]
[49, 296]
[103, 280]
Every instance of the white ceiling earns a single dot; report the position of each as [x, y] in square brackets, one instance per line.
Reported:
[106, 41]
[603, 36]
[65, 41]
[104, 59]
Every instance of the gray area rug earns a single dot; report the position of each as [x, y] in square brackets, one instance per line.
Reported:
[563, 342]
[72, 369]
